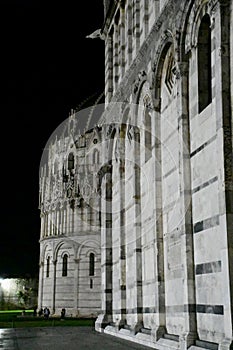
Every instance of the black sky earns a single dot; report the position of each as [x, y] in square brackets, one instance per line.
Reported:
[47, 67]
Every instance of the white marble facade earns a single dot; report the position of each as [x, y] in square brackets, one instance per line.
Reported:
[158, 218]
[167, 236]
[70, 224]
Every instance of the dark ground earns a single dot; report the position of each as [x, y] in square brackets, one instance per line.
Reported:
[61, 338]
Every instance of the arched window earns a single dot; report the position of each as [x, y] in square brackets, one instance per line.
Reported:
[82, 209]
[96, 156]
[64, 265]
[92, 264]
[71, 161]
[47, 266]
[204, 64]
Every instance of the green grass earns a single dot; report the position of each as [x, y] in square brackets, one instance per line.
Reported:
[8, 316]
[14, 320]
[14, 311]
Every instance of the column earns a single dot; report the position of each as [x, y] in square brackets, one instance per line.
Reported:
[49, 223]
[145, 18]
[54, 286]
[108, 245]
[224, 148]
[60, 223]
[52, 223]
[116, 54]
[42, 219]
[129, 33]
[69, 210]
[133, 236]
[41, 283]
[76, 285]
[160, 327]
[122, 226]
[64, 230]
[55, 222]
[72, 221]
[187, 245]
[138, 246]
[106, 253]
[136, 27]
[46, 225]
[122, 43]
[109, 66]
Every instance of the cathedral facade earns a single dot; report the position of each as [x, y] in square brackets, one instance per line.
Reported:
[166, 192]
[137, 208]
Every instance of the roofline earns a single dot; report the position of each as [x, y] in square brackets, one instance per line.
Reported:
[109, 15]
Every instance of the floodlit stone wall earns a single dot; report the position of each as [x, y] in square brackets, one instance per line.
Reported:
[166, 234]
[136, 211]
[70, 226]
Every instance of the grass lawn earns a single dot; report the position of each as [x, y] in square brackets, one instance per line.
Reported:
[14, 319]
[14, 311]
[9, 315]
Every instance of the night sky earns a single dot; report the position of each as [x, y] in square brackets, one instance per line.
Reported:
[47, 68]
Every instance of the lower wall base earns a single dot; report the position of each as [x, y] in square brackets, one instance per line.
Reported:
[139, 338]
[145, 339]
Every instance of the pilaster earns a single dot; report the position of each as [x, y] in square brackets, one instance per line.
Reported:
[76, 287]
[189, 296]
[106, 255]
[54, 286]
[223, 112]
[137, 244]
[41, 282]
[160, 327]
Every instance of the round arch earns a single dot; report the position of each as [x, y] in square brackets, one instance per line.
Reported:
[166, 42]
[193, 22]
[43, 255]
[60, 244]
[85, 244]
[91, 251]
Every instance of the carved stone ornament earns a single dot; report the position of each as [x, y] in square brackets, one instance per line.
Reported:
[147, 102]
[141, 77]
